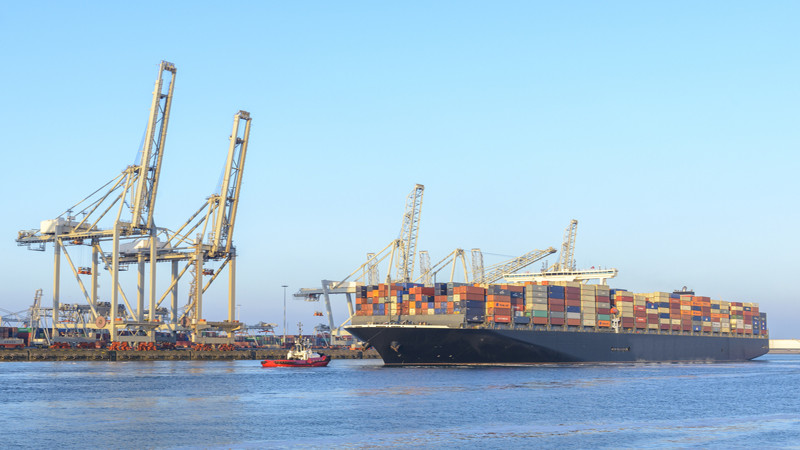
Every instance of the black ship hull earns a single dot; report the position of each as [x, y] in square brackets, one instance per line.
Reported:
[427, 345]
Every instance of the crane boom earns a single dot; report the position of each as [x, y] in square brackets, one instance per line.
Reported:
[408, 235]
[497, 272]
[153, 150]
[222, 233]
[425, 267]
[566, 260]
[477, 264]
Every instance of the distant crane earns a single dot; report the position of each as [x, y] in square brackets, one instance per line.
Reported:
[429, 276]
[408, 235]
[477, 264]
[564, 269]
[501, 270]
[400, 252]
[372, 270]
[566, 260]
[425, 267]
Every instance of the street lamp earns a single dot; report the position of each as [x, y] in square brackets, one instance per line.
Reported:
[284, 314]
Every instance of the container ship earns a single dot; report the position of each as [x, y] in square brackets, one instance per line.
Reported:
[552, 322]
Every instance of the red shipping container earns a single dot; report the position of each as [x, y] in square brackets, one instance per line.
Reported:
[640, 308]
[573, 303]
[573, 322]
[502, 319]
[603, 310]
[540, 320]
[557, 308]
[556, 321]
[572, 290]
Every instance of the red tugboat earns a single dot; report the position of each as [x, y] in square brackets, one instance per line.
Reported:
[299, 356]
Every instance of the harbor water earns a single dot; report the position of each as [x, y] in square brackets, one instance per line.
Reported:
[361, 404]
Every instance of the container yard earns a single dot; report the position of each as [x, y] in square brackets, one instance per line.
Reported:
[78, 354]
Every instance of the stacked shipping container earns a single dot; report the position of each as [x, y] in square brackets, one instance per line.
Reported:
[562, 304]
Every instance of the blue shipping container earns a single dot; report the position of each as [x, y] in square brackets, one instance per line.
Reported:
[574, 309]
[555, 291]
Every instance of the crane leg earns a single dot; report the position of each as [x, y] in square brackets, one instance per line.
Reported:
[174, 304]
[56, 282]
[140, 290]
[350, 304]
[327, 296]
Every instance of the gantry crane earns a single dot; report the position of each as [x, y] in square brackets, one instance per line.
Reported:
[137, 240]
[425, 267]
[372, 270]
[408, 235]
[477, 264]
[564, 269]
[502, 270]
[136, 187]
[428, 277]
[566, 259]
[401, 253]
[217, 217]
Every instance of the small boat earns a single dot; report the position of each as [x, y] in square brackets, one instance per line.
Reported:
[299, 356]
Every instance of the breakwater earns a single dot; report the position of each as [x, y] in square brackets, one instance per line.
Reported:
[33, 354]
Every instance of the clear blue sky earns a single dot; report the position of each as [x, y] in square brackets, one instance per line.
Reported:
[668, 129]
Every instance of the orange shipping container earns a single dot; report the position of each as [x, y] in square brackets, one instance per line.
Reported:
[490, 304]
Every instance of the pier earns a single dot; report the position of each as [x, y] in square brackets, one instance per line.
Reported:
[33, 354]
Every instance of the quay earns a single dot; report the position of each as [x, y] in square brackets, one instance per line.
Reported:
[35, 354]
